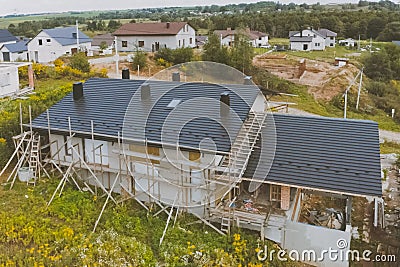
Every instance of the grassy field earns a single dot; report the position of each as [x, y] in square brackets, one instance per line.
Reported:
[390, 147]
[61, 234]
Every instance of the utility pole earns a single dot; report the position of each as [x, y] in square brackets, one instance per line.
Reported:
[359, 41]
[345, 94]
[359, 89]
[116, 56]
[370, 45]
[77, 35]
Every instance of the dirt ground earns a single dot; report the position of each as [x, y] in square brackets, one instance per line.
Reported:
[324, 80]
[148, 71]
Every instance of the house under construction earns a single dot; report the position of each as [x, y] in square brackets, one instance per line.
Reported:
[209, 149]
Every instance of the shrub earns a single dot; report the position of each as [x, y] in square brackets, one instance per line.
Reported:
[140, 59]
[80, 62]
[175, 56]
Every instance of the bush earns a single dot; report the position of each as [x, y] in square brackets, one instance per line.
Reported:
[140, 59]
[175, 56]
[80, 62]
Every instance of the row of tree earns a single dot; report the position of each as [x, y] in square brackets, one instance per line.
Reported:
[380, 25]
[31, 28]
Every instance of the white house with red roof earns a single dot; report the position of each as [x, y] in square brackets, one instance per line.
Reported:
[256, 38]
[154, 36]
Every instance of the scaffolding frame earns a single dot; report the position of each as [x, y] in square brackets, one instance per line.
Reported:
[71, 168]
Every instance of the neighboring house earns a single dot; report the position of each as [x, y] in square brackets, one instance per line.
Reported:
[302, 155]
[201, 40]
[9, 78]
[256, 38]
[7, 38]
[330, 37]
[14, 51]
[103, 40]
[310, 39]
[154, 36]
[50, 44]
[349, 42]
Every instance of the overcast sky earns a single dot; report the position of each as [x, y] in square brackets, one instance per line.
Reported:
[38, 6]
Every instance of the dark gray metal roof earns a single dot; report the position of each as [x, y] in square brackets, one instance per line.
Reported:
[329, 154]
[108, 101]
[66, 36]
[327, 33]
[6, 36]
[19, 46]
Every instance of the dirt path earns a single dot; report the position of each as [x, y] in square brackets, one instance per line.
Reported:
[324, 80]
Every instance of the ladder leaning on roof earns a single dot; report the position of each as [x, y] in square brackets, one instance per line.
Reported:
[236, 163]
[34, 160]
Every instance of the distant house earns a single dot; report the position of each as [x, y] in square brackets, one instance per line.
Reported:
[154, 36]
[7, 38]
[50, 44]
[349, 42]
[201, 40]
[330, 37]
[256, 38]
[14, 51]
[310, 39]
[106, 40]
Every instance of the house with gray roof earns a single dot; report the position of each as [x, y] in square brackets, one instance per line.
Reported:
[6, 37]
[213, 150]
[14, 51]
[310, 39]
[50, 44]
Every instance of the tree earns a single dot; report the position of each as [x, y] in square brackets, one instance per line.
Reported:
[113, 25]
[80, 62]
[241, 54]
[140, 59]
[103, 45]
[213, 51]
[391, 32]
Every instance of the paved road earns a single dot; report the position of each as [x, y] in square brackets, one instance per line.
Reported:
[106, 60]
[383, 134]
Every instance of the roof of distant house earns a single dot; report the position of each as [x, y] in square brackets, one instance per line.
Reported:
[327, 33]
[19, 46]
[6, 36]
[67, 35]
[321, 32]
[252, 35]
[153, 28]
[148, 117]
[330, 154]
[107, 38]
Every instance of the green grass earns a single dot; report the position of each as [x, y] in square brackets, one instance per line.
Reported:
[328, 55]
[306, 102]
[32, 234]
[278, 41]
[390, 147]
[260, 51]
